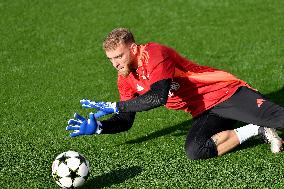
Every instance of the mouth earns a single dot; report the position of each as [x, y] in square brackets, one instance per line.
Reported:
[120, 68]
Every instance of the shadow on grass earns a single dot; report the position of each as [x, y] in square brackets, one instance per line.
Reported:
[114, 177]
[182, 127]
[248, 144]
[277, 96]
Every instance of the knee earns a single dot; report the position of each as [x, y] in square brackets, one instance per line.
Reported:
[192, 151]
[204, 151]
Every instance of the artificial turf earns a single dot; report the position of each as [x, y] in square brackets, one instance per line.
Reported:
[51, 57]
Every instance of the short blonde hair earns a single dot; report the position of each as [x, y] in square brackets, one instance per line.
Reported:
[116, 37]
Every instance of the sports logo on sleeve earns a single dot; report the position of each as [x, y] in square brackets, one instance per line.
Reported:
[174, 87]
[139, 88]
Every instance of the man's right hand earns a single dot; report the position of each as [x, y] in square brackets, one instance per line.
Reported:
[104, 108]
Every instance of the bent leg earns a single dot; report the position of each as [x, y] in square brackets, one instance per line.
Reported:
[250, 106]
[199, 142]
[225, 141]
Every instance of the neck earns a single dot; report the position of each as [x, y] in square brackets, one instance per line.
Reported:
[137, 58]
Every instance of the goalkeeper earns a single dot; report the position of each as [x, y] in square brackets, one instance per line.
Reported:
[153, 75]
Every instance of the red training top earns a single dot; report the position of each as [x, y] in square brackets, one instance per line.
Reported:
[194, 88]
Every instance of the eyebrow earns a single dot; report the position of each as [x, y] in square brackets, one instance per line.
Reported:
[116, 56]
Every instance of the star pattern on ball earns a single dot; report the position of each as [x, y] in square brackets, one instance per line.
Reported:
[70, 169]
[81, 158]
[56, 177]
[62, 159]
[73, 174]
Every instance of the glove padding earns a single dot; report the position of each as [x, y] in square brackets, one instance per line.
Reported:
[103, 107]
[83, 126]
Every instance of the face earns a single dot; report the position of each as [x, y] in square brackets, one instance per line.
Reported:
[123, 58]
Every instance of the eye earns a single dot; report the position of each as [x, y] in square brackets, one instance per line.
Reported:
[119, 57]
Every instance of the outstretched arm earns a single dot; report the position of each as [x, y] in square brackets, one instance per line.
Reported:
[123, 121]
[118, 123]
[126, 110]
[155, 97]
[83, 126]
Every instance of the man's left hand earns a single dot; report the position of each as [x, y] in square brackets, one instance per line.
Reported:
[82, 126]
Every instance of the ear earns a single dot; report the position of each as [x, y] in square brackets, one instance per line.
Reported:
[133, 48]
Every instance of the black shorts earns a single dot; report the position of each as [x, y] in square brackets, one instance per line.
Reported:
[246, 105]
[249, 106]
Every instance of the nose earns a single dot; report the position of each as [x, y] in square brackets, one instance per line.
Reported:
[115, 63]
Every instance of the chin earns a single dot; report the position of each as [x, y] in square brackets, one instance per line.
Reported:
[124, 73]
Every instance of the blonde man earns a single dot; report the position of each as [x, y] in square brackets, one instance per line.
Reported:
[153, 75]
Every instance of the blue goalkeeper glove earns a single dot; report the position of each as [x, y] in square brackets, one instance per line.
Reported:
[103, 107]
[83, 126]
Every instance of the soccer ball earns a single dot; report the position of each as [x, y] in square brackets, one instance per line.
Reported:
[70, 169]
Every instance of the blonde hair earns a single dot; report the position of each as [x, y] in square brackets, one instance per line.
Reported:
[116, 37]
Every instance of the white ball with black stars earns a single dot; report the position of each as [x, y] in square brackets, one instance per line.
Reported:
[70, 169]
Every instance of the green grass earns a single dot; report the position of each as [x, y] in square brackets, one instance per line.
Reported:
[51, 57]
